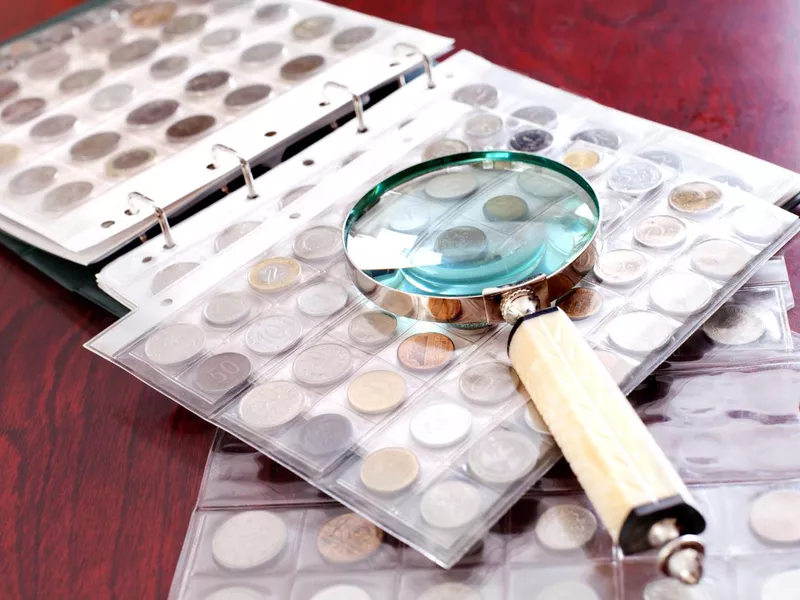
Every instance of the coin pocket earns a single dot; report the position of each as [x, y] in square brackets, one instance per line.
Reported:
[642, 579]
[586, 304]
[592, 580]
[590, 160]
[762, 518]
[370, 328]
[467, 584]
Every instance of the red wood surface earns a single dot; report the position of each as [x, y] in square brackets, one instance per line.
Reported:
[98, 473]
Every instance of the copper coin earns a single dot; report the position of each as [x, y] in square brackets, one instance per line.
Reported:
[151, 113]
[152, 14]
[302, 67]
[23, 110]
[130, 160]
[8, 88]
[95, 146]
[581, 303]
[132, 52]
[190, 128]
[66, 196]
[207, 82]
[444, 309]
[426, 351]
[80, 81]
[347, 539]
[695, 198]
[9, 153]
[247, 95]
[183, 26]
[169, 66]
[53, 127]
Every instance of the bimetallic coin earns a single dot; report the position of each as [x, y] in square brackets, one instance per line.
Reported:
[312, 28]
[571, 590]
[48, 65]
[8, 89]
[112, 97]
[323, 364]
[222, 372]
[639, 332]
[53, 127]
[236, 592]
[9, 153]
[247, 96]
[342, 592]
[249, 539]
[169, 275]
[541, 115]
[128, 161]
[610, 208]
[66, 196]
[537, 183]
[348, 539]
[672, 589]
[224, 310]
[80, 81]
[450, 504]
[389, 470]
[295, 194]
[531, 140]
[274, 274]
[444, 147]
[372, 328]
[152, 113]
[271, 405]
[190, 128]
[581, 303]
[483, 126]
[174, 345]
[775, 516]
[33, 180]
[600, 137]
[505, 208]
[22, 110]
[426, 352]
[756, 224]
[502, 457]
[101, 38]
[219, 39]
[318, 243]
[660, 232]
[734, 181]
[169, 67]
[662, 157]
[695, 198]
[719, 259]
[441, 425]
[261, 54]
[451, 186]
[734, 325]
[322, 299]
[566, 527]
[326, 435]
[271, 13]
[620, 267]
[581, 160]
[489, 382]
[477, 94]
[183, 26]
[152, 14]
[233, 233]
[132, 52]
[302, 67]
[347, 39]
[781, 586]
[273, 335]
[376, 392]
[207, 83]
[450, 590]
[461, 244]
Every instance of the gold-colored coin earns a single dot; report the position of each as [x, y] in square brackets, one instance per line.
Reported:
[152, 14]
[505, 208]
[9, 153]
[581, 303]
[348, 539]
[376, 392]
[274, 274]
[444, 309]
[389, 470]
[426, 351]
[581, 160]
[695, 197]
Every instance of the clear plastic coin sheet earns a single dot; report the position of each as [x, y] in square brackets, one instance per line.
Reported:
[774, 272]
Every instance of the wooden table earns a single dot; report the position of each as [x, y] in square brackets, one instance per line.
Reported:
[100, 473]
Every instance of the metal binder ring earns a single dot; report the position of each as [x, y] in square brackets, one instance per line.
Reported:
[426, 61]
[243, 164]
[358, 107]
[161, 216]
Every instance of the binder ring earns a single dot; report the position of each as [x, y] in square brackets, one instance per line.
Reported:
[161, 216]
[358, 106]
[243, 164]
[426, 61]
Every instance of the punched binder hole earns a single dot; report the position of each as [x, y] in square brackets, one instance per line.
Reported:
[308, 162]
[394, 64]
[166, 302]
[270, 134]
[211, 166]
[147, 259]
[106, 224]
[324, 103]
[294, 216]
[131, 211]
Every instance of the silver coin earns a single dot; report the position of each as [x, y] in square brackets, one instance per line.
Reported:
[450, 590]
[599, 137]
[326, 435]
[461, 244]
[95, 146]
[531, 140]
[80, 81]
[22, 110]
[782, 586]
[169, 275]
[233, 233]
[662, 157]
[8, 89]
[302, 67]
[610, 208]
[441, 425]
[323, 365]
[660, 231]
[249, 539]
[236, 592]
[322, 299]
[169, 67]
[450, 504]
[639, 332]
[101, 38]
[342, 591]
[719, 259]
[347, 39]
[451, 186]
[272, 404]
[541, 115]
[620, 267]
[312, 28]
[775, 516]
[224, 310]
[207, 83]
[483, 126]
[112, 97]
[634, 177]
[128, 161]
[734, 325]
[477, 94]
[567, 590]
[189, 128]
[757, 224]
[221, 7]
[247, 95]
[33, 180]
[273, 335]
[66, 196]
[566, 527]
[174, 345]
[131, 53]
[672, 589]
[48, 65]
[373, 328]
[295, 194]
[271, 13]
[444, 147]
[152, 113]
[502, 457]
[541, 185]
[53, 127]
[183, 26]
[219, 39]
[734, 181]
[318, 243]
[680, 294]
[222, 372]
[408, 217]
[533, 419]
[489, 382]
[261, 54]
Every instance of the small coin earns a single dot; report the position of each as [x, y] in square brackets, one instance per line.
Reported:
[101, 38]
[572, 590]
[639, 331]
[662, 157]
[660, 231]
[295, 194]
[318, 243]
[444, 147]
[274, 274]
[312, 28]
[326, 435]
[695, 198]
[80, 81]
[66, 196]
[222, 372]
[581, 160]
[372, 328]
[152, 14]
[599, 137]
[302, 67]
[220, 39]
[539, 184]
[22, 110]
[169, 275]
[169, 67]
[620, 267]
[489, 382]
[389, 470]
[634, 177]
[224, 310]
[610, 208]
[775, 516]
[781, 586]
[450, 590]
[8, 89]
[322, 299]
[183, 26]
[132, 52]
[502, 457]
[477, 94]
[581, 303]
[323, 364]
[451, 186]
[271, 13]
[734, 325]
[483, 126]
[441, 425]
[236, 592]
[756, 224]
[273, 335]
[261, 54]
[207, 83]
[672, 589]
[112, 97]
[249, 539]
[505, 208]
[541, 115]
[33, 180]
[566, 527]
[189, 128]
[233, 233]
[53, 127]
[174, 344]
[271, 405]
[9, 153]
[531, 140]
[342, 591]
[376, 392]
[348, 539]
[444, 309]
[347, 39]
[48, 65]
[450, 504]
[152, 113]
[719, 259]
[533, 419]
[221, 7]
[426, 351]
[734, 181]
[461, 244]
[128, 161]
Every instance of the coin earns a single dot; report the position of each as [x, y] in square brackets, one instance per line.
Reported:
[183, 26]
[318, 243]
[695, 198]
[397, 303]
[775, 516]
[302, 67]
[295, 194]
[451, 186]
[313, 27]
[274, 274]
[326, 435]
[634, 177]
[581, 303]
[94, 146]
[477, 94]
[152, 113]
[581, 160]
[461, 244]
[441, 425]
[271, 405]
[610, 208]
[372, 328]
[322, 299]
[224, 310]
[426, 351]
[174, 345]
[600, 137]
[48, 65]
[756, 225]
[483, 126]
[450, 504]
[376, 392]
[506, 207]
[719, 259]
[781, 586]
[566, 527]
[502, 457]
[236, 592]
[9, 153]
[271, 13]
[734, 325]
[261, 54]
[52, 127]
[103, 37]
[189, 128]
[660, 231]
[128, 161]
[639, 331]
[341, 591]
[249, 539]
[347, 39]
[207, 83]
[22, 110]
[152, 14]
[273, 335]
[443, 309]
[389, 470]
[534, 419]
[33, 180]
[572, 590]
[233, 233]
[169, 66]
[8, 89]
[112, 97]
[531, 140]
[222, 372]
[662, 157]
[347, 539]
[220, 39]
[450, 590]
[537, 183]
[323, 364]
[247, 95]
[620, 267]
[672, 589]
[489, 382]
[734, 181]
[221, 7]
[80, 81]
[132, 52]
[66, 196]
[444, 147]
[541, 115]
[169, 275]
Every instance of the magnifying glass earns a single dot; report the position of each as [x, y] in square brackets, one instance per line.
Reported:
[479, 238]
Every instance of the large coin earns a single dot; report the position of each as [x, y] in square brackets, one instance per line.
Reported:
[599, 137]
[183, 26]
[249, 539]
[444, 147]
[33, 180]
[271, 13]
[757, 224]
[541, 115]
[220, 39]
[302, 67]
[67, 196]
[22, 110]
[719, 259]
[190, 128]
[271, 405]
[441, 425]
[680, 294]
[322, 299]
[483, 126]
[233, 233]
[48, 65]
[274, 274]
[426, 351]
[660, 231]
[152, 14]
[314, 27]
[695, 198]
[506, 207]
[634, 177]
[322, 365]
[80, 81]
[389, 470]
[782, 586]
[450, 504]
[502, 457]
[734, 325]
[112, 97]
[225, 310]
[152, 113]
[461, 244]
[342, 591]
[326, 435]
[567, 590]
[372, 328]
[206, 83]
[582, 161]
[101, 38]
[169, 275]
[775, 516]
[531, 140]
[477, 94]
[450, 590]
[348, 539]
[566, 527]
[581, 303]
[273, 334]
[322, 242]
[169, 66]
[261, 54]
[672, 589]
[94, 146]
[53, 127]
[347, 39]
[621, 267]
[451, 186]
[132, 52]
[220, 373]
[128, 161]
[639, 331]
[376, 392]
[662, 157]
[489, 382]
[174, 344]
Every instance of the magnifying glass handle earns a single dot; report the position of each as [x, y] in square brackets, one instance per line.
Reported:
[637, 493]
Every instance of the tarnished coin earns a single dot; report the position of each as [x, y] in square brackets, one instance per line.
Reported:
[48, 65]
[541, 115]
[757, 224]
[33, 180]
[274, 274]
[571, 590]
[347, 539]
[599, 137]
[101, 38]
[533, 419]
[261, 54]
[634, 177]
[271, 405]
[22, 110]
[295, 194]
[734, 181]
[326, 435]
[169, 275]
[169, 67]
[174, 345]
[505, 208]
[249, 539]
[183, 26]
[322, 299]
[190, 128]
[426, 351]
[323, 364]
[620, 267]
[502, 457]
[775, 516]
[152, 14]
[152, 113]
[349, 38]
[566, 527]
[372, 328]
[461, 244]
[444, 147]
[221, 7]
[483, 126]
[8, 89]
[132, 52]
[672, 589]
[313, 27]
[539, 184]
[450, 504]
[128, 161]
[302, 67]
[233, 233]
[273, 335]
[660, 231]
[719, 259]
[662, 157]
[247, 96]
[441, 425]
[66, 196]
[222, 372]
[581, 303]
[639, 331]
[53, 127]
[695, 198]
[477, 94]
[112, 97]
[224, 310]
[206, 83]
[734, 325]
[235, 592]
[450, 590]
[610, 208]
[271, 13]
[781, 586]
[531, 140]
[219, 39]
[80, 81]
[9, 153]
[489, 382]
[342, 591]
[376, 392]
[581, 160]
[389, 470]
[451, 186]
[318, 243]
